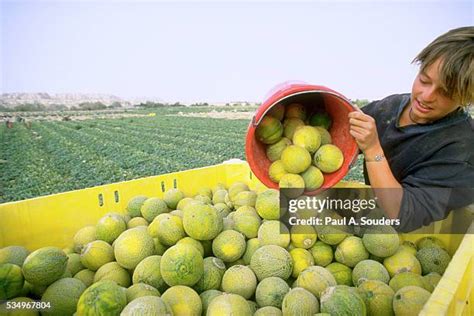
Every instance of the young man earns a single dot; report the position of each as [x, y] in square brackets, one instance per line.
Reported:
[419, 147]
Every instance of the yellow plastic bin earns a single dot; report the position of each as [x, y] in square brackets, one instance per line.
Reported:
[53, 220]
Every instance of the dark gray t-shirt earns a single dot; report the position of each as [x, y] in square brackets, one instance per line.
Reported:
[433, 162]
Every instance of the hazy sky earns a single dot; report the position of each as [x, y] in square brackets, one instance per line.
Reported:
[218, 51]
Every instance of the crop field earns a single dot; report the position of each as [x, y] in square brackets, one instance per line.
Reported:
[52, 156]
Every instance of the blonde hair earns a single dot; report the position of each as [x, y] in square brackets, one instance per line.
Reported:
[456, 50]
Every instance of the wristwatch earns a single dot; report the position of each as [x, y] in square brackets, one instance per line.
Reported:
[377, 158]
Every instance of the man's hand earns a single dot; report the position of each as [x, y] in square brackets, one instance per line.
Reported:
[364, 130]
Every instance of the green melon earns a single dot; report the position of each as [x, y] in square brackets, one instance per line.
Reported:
[295, 159]
[351, 251]
[269, 130]
[11, 281]
[369, 270]
[14, 254]
[377, 296]
[277, 111]
[153, 207]
[321, 119]
[252, 245]
[192, 242]
[302, 259]
[219, 196]
[84, 236]
[172, 198]
[322, 253]
[432, 279]
[409, 300]
[402, 262]
[183, 301]
[44, 266]
[229, 304]
[140, 290]
[181, 265]
[114, 272]
[403, 279]
[159, 247]
[295, 182]
[316, 280]
[184, 202]
[273, 232]
[104, 298]
[276, 171]
[229, 245]
[202, 222]
[340, 272]
[167, 228]
[342, 300]
[295, 110]
[267, 204]
[328, 158]
[271, 291]
[132, 246]
[207, 297]
[325, 135]
[244, 198]
[135, 204]
[299, 301]
[110, 227]
[308, 138]
[63, 296]
[136, 222]
[274, 151]
[228, 222]
[240, 280]
[205, 191]
[211, 278]
[329, 234]
[147, 306]
[433, 259]
[313, 178]
[86, 276]
[430, 241]
[408, 246]
[268, 311]
[222, 209]
[303, 236]
[96, 254]
[381, 245]
[235, 188]
[247, 222]
[74, 264]
[290, 125]
[204, 199]
[271, 260]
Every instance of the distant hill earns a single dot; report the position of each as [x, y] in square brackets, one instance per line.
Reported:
[68, 100]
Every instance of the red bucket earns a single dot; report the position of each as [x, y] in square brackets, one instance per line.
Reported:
[336, 105]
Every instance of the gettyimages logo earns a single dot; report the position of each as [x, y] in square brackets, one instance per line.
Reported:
[342, 209]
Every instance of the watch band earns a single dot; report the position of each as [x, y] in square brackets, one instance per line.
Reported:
[377, 158]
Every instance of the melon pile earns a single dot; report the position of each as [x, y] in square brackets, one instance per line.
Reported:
[299, 146]
[221, 252]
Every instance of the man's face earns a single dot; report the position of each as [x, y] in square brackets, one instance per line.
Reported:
[429, 101]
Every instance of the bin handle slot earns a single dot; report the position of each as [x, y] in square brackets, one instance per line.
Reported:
[101, 199]
[116, 195]
[175, 183]
[162, 186]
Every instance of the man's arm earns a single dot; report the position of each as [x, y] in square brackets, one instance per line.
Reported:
[364, 130]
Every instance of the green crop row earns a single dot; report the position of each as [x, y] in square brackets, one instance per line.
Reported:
[57, 156]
